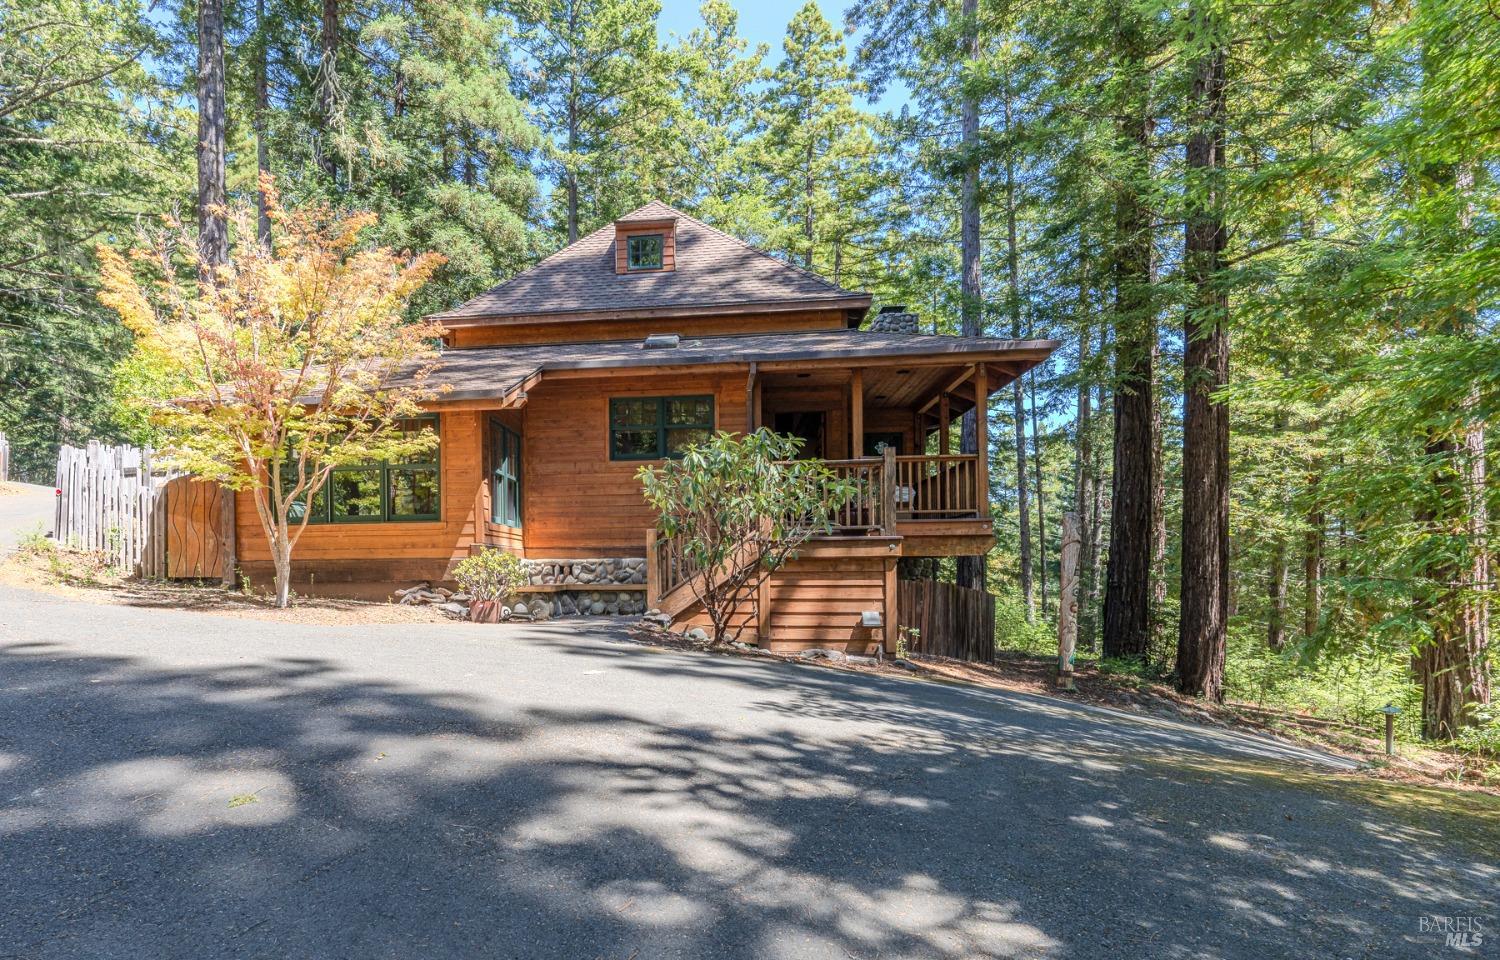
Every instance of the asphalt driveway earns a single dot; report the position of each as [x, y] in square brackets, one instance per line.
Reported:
[183, 785]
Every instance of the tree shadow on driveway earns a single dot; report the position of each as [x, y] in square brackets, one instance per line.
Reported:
[284, 807]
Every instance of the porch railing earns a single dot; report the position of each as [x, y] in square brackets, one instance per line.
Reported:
[867, 509]
[888, 489]
[937, 487]
[667, 565]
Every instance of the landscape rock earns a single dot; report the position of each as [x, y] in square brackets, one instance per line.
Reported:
[816, 653]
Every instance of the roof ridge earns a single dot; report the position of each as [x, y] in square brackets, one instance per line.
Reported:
[751, 247]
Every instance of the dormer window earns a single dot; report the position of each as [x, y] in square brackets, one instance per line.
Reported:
[646, 245]
[644, 252]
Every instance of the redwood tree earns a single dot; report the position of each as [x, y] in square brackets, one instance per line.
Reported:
[1127, 595]
[1205, 444]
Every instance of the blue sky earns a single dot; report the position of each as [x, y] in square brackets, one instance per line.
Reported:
[764, 21]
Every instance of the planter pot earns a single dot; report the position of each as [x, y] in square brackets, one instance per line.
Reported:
[484, 611]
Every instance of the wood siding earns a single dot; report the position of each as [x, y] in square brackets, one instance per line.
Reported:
[389, 552]
[489, 335]
[819, 601]
[578, 502]
[668, 231]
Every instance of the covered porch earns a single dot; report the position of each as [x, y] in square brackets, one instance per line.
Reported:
[889, 428]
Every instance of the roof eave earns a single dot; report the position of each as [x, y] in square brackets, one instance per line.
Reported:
[1023, 354]
[857, 304]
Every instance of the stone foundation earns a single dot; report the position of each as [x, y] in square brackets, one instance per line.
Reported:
[602, 572]
[593, 598]
[586, 588]
[581, 603]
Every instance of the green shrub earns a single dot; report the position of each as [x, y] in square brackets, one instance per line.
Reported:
[1012, 632]
[35, 543]
[490, 575]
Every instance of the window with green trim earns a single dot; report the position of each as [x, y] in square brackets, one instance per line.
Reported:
[378, 491]
[644, 252]
[505, 475]
[654, 428]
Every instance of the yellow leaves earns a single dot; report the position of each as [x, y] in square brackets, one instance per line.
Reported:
[120, 292]
[300, 348]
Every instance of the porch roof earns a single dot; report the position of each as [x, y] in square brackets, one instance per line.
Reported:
[501, 373]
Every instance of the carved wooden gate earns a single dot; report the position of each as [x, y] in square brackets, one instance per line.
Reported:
[193, 541]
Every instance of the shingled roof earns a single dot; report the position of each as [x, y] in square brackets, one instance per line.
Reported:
[715, 273]
[497, 372]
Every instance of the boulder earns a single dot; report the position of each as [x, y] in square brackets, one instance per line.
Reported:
[816, 653]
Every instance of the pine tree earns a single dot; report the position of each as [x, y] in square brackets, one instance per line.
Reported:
[597, 86]
[815, 143]
[90, 141]
[719, 79]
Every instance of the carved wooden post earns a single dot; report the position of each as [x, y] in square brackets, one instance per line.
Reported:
[227, 547]
[653, 575]
[888, 490]
[1067, 604]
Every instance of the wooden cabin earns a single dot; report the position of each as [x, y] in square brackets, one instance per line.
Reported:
[628, 345]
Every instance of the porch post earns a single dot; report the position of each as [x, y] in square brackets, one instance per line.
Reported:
[943, 425]
[982, 435]
[752, 400]
[857, 413]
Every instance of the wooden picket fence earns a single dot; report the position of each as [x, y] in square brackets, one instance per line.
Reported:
[949, 620]
[113, 500]
[4, 458]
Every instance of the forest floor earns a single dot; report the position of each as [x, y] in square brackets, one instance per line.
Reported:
[1030, 673]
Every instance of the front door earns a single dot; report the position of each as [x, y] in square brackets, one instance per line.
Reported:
[810, 425]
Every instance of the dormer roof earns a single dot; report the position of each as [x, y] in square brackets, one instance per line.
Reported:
[712, 273]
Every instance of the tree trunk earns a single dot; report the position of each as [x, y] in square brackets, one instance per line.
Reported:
[1041, 502]
[1093, 565]
[1276, 596]
[1204, 619]
[971, 572]
[1083, 479]
[213, 226]
[328, 86]
[1312, 561]
[262, 108]
[281, 557]
[1013, 307]
[808, 188]
[1453, 665]
[1127, 596]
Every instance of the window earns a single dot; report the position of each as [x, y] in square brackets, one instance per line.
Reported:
[505, 475]
[378, 491]
[643, 252]
[650, 428]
